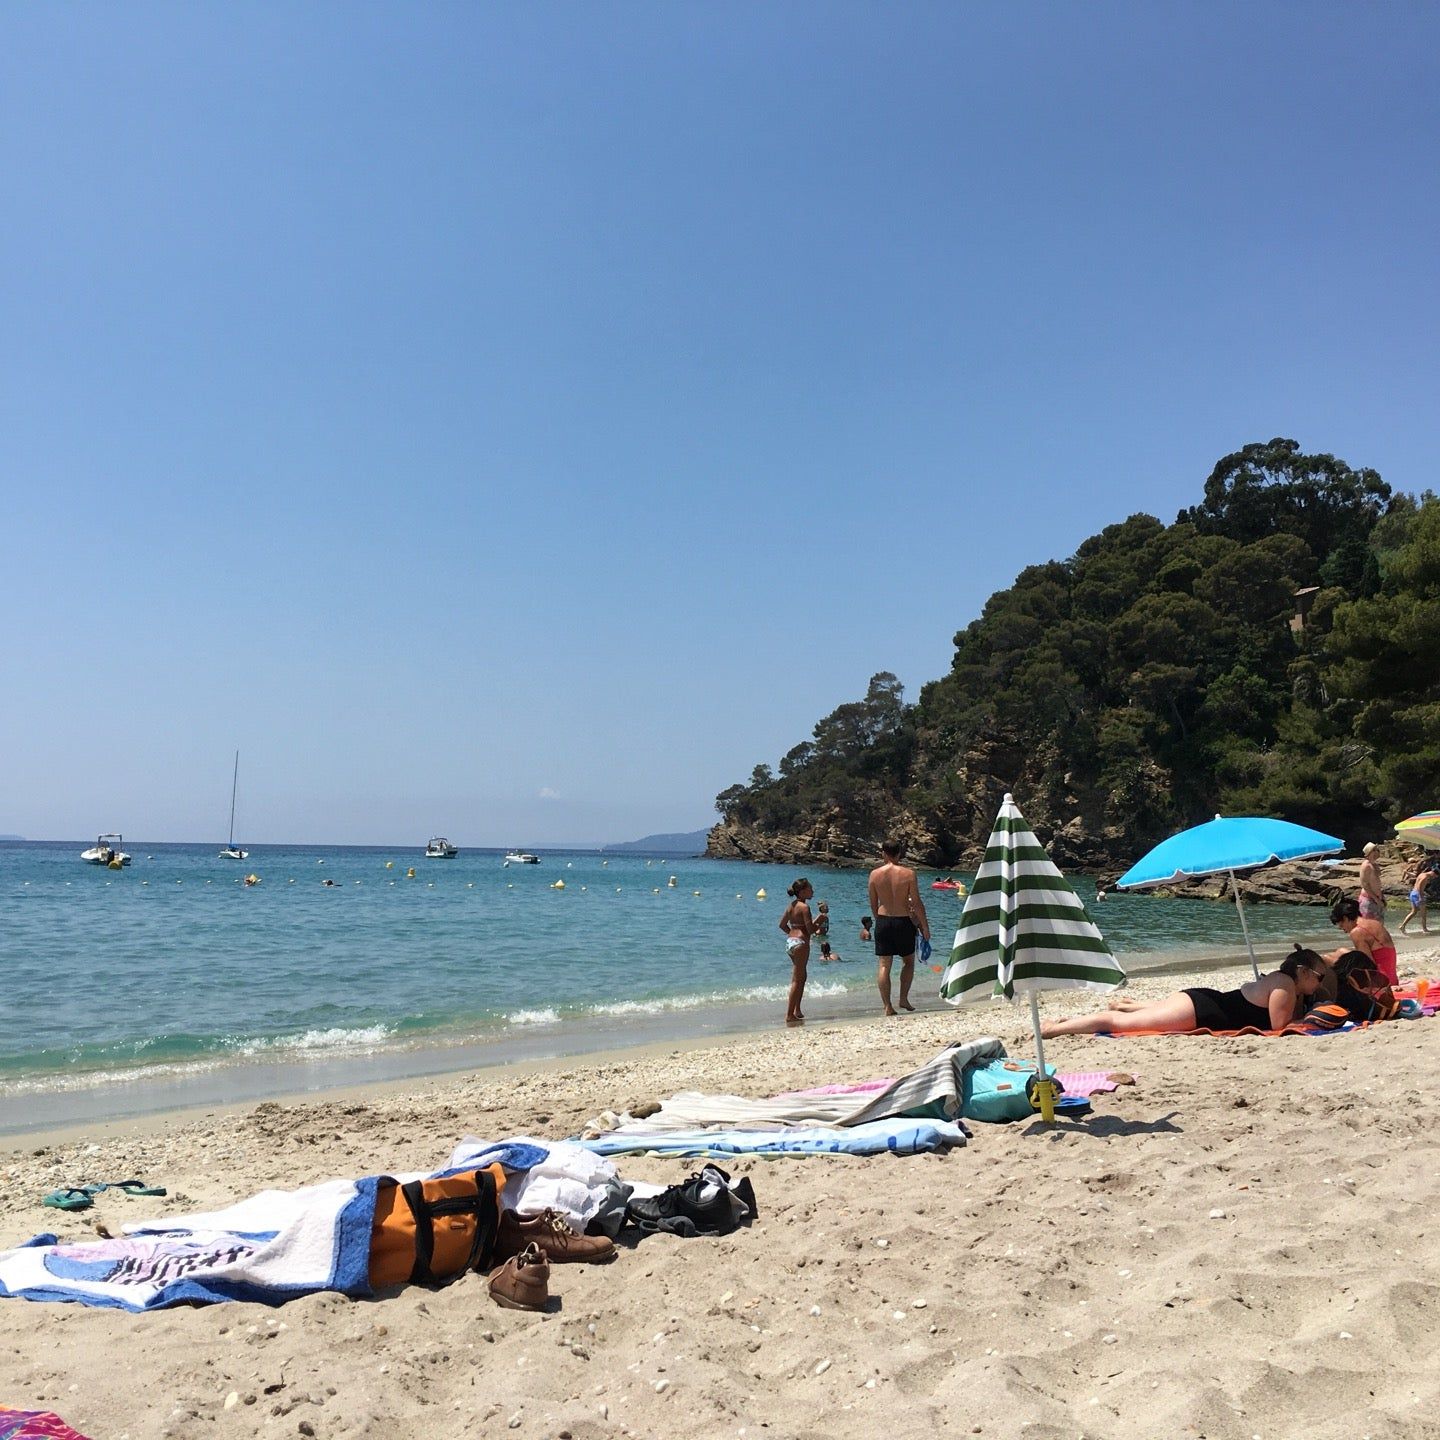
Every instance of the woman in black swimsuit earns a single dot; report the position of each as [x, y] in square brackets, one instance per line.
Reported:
[1269, 1003]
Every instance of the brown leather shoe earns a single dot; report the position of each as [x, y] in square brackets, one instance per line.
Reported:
[522, 1282]
[561, 1244]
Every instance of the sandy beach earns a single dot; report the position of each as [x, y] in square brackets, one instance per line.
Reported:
[1236, 1245]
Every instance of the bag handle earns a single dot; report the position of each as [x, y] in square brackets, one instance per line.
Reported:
[481, 1204]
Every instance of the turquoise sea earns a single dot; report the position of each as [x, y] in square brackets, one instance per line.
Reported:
[118, 987]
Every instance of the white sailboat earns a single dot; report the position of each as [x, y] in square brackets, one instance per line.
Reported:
[232, 851]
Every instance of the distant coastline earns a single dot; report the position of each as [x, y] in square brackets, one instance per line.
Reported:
[689, 842]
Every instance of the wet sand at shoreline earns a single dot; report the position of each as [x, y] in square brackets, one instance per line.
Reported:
[37, 1108]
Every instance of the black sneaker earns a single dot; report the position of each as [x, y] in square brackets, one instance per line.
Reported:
[705, 1204]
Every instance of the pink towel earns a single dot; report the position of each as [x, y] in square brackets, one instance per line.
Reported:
[1078, 1082]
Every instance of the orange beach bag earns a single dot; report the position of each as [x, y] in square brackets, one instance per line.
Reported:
[430, 1230]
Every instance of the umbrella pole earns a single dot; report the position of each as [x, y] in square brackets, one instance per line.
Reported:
[1245, 929]
[1045, 1089]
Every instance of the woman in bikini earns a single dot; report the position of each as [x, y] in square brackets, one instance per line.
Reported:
[1368, 936]
[1269, 1003]
[798, 928]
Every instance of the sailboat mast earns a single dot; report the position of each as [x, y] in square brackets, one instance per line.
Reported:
[234, 783]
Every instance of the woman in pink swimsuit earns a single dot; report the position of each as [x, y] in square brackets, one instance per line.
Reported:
[1368, 936]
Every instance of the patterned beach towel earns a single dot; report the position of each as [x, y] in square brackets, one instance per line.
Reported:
[269, 1249]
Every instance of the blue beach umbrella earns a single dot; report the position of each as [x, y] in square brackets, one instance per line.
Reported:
[1223, 846]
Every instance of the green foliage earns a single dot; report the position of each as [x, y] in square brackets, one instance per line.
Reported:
[1273, 489]
[1155, 677]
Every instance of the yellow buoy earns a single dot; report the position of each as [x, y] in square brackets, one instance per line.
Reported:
[672, 882]
[389, 864]
[761, 895]
[410, 873]
[252, 879]
[558, 885]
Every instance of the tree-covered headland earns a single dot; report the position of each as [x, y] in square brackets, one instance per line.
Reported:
[1275, 650]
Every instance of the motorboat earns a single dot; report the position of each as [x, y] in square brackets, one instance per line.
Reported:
[232, 851]
[521, 857]
[106, 851]
[441, 849]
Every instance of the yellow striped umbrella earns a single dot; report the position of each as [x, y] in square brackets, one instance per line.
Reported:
[1422, 829]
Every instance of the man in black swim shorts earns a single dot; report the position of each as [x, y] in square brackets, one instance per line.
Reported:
[899, 916]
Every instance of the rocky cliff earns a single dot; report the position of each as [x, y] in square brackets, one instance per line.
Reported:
[1301, 882]
[828, 842]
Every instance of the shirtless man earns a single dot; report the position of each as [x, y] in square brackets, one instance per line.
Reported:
[898, 911]
[1372, 892]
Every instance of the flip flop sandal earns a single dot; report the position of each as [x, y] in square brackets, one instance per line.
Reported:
[71, 1197]
[136, 1189]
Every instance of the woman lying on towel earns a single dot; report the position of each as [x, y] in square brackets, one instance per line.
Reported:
[1269, 1003]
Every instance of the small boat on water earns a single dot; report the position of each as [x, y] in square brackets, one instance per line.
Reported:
[232, 851]
[956, 885]
[440, 848]
[521, 857]
[106, 851]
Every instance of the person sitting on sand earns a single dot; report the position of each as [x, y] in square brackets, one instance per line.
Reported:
[865, 923]
[1369, 936]
[899, 914]
[1269, 1003]
[798, 928]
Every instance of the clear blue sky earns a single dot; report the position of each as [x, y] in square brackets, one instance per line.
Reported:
[516, 421]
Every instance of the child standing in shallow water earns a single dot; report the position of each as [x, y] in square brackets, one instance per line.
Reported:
[798, 928]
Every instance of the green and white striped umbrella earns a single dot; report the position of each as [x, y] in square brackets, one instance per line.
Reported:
[1023, 928]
